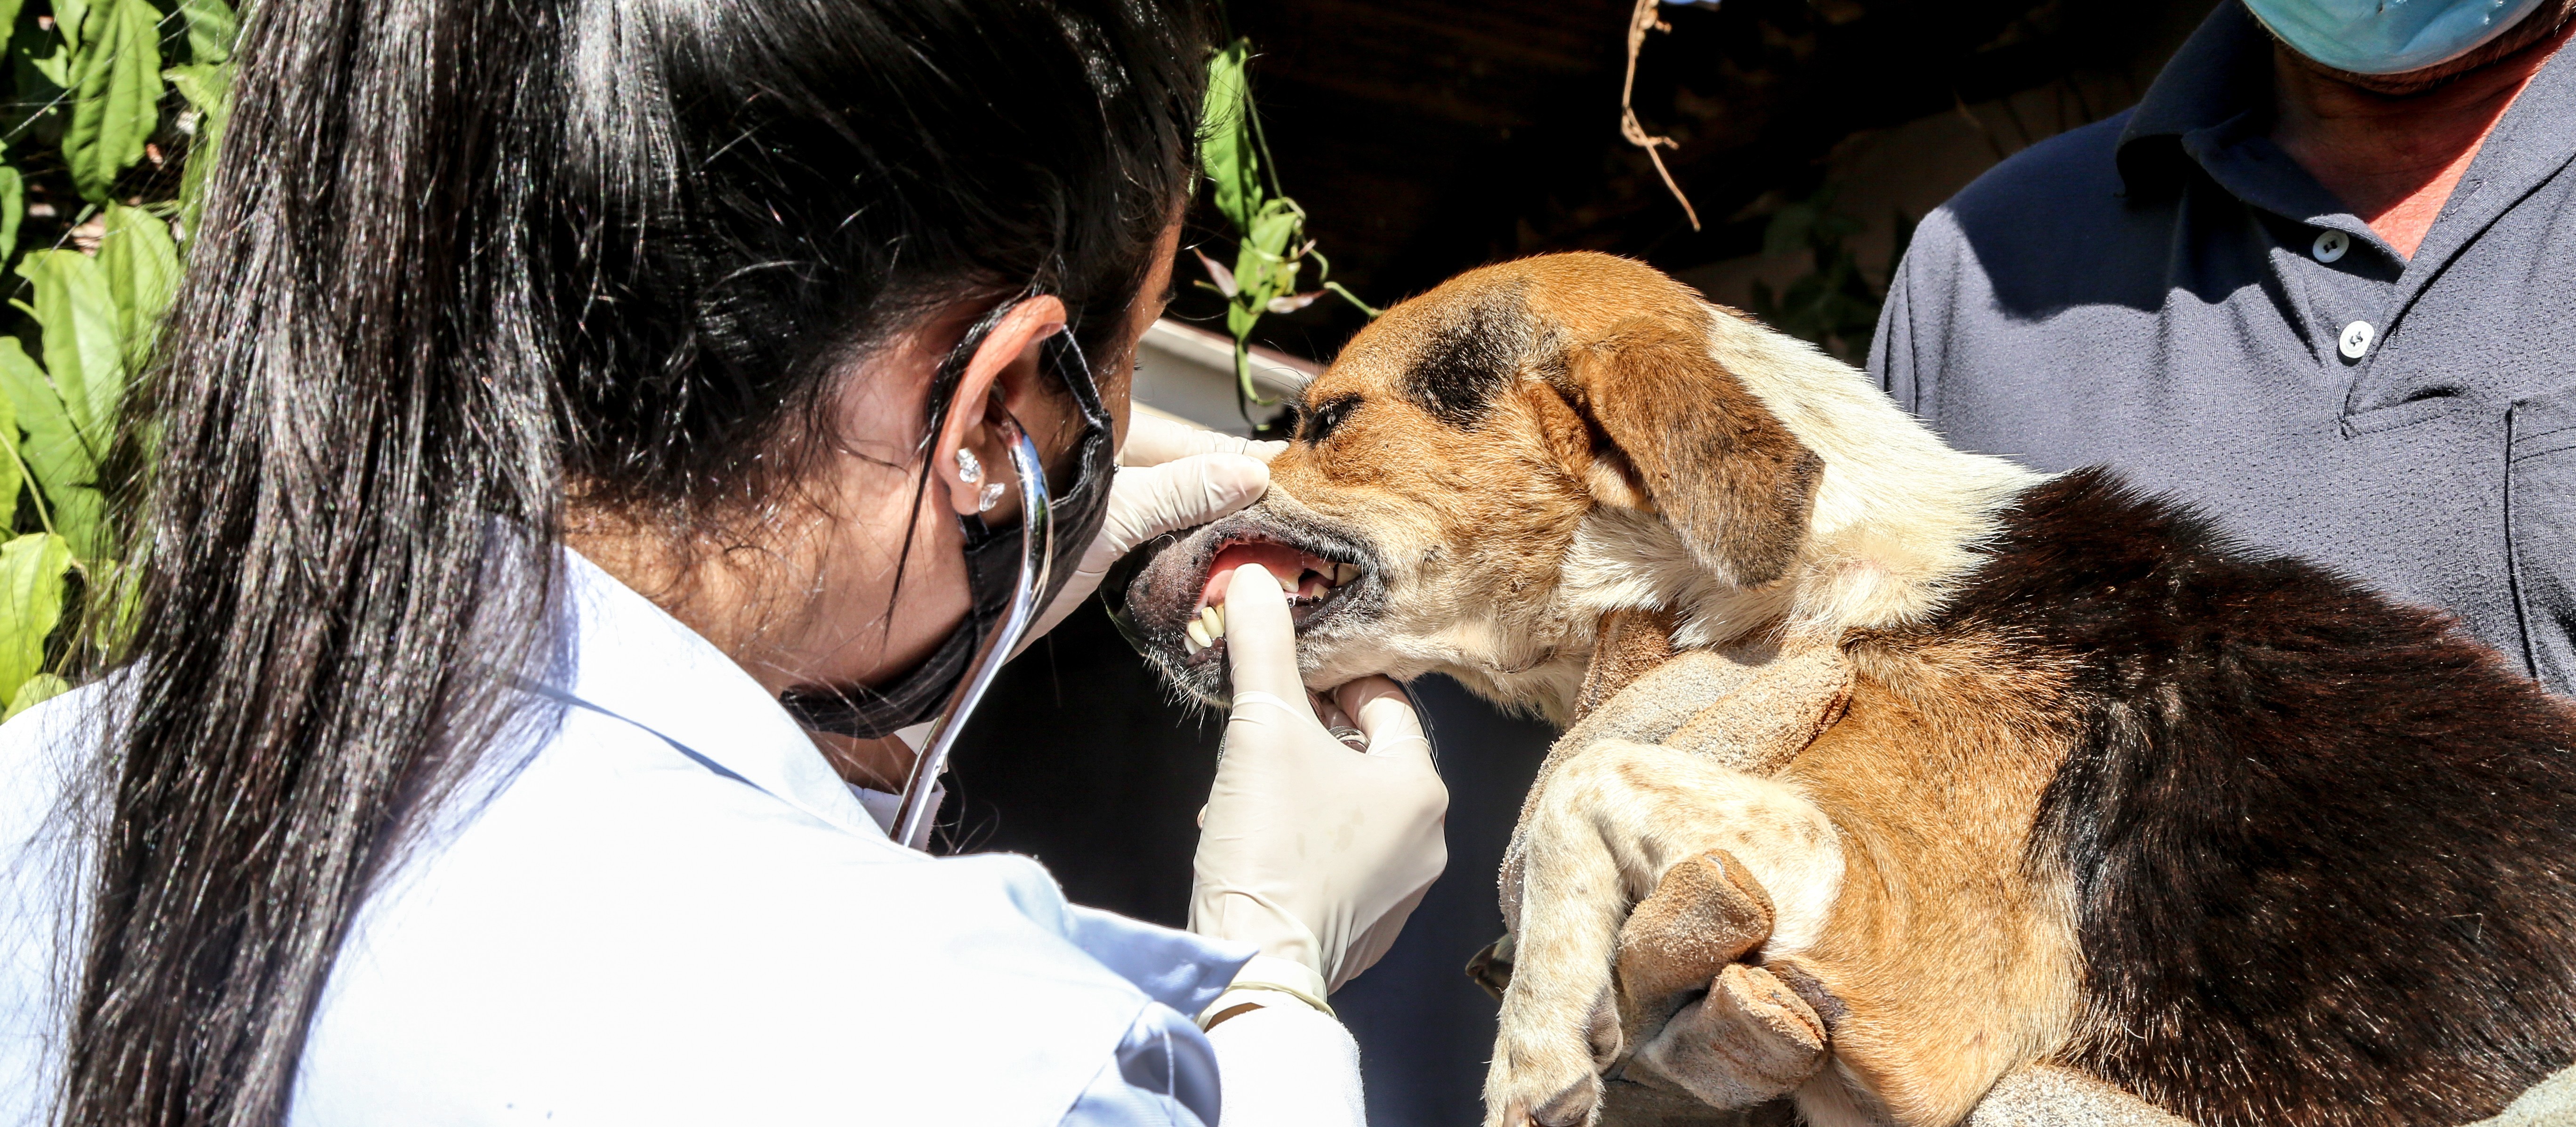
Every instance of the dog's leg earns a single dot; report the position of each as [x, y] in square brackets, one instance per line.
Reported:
[1603, 834]
[1754, 708]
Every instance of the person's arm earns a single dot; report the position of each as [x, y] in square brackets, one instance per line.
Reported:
[1891, 349]
[1163, 1074]
[1289, 1066]
[1273, 1058]
[1313, 851]
[1911, 346]
[1264, 1065]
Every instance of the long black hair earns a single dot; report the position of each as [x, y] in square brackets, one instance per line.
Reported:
[460, 258]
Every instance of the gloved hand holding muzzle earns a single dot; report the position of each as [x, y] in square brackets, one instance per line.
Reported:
[1170, 477]
[1311, 849]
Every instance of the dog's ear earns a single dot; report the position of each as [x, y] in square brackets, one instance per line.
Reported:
[1714, 460]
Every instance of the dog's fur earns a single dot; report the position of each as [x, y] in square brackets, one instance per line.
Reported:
[2220, 828]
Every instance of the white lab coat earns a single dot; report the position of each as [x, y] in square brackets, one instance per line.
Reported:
[662, 907]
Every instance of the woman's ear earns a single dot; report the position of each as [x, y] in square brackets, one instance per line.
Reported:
[969, 482]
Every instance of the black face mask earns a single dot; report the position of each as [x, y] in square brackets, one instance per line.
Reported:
[993, 562]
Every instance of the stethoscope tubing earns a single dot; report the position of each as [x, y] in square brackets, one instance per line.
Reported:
[1037, 555]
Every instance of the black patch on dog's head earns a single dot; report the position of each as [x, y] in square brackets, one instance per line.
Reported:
[1468, 361]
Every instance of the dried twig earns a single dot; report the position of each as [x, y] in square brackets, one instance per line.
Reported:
[1640, 22]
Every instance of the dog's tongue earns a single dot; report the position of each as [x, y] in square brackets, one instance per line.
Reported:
[1283, 563]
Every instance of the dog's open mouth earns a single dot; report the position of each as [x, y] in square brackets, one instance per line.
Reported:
[1168, 598]
[1310, 581]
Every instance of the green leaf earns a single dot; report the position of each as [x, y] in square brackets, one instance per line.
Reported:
[111, 604]
[1254, 281]
[38, 689]
[204, 86]
[70, 18]
[13, 208]
[9, 15]
[1275, 226]
[212, 27]
[1227, 150]
[142, 267]
[54, 450]
[53, 67]
[13, 472]
[80, 518]
[116, 94]
[31, 603]
[84, 351]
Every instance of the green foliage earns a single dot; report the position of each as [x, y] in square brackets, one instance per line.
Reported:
[1834, 305]
[116, 94]
[13, 209]
[202, 84]
[105, 149]
[31, 596]
[211, 30]
[1271, 247]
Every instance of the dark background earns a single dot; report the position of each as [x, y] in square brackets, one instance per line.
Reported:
[1430, 136]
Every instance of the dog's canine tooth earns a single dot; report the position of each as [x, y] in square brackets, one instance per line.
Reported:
[1198, 632]
[1215, 617]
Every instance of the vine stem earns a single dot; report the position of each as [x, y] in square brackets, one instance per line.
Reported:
[1641, 21]
[44, 512]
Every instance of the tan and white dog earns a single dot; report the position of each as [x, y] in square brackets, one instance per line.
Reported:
[2092, 786]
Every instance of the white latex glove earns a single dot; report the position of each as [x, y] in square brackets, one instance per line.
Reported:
[1312, 851]
[1171, 476]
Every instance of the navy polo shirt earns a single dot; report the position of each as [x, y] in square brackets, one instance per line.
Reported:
[2168, 293]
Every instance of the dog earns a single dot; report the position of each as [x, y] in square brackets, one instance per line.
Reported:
[2101, 789]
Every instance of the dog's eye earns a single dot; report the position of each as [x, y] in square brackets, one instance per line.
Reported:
[1316, 423]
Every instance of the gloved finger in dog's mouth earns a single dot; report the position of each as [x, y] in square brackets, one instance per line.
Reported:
[1168, 596]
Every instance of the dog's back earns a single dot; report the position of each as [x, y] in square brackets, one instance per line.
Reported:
[2321, 845]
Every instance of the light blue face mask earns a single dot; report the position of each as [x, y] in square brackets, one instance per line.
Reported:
[2388, 36]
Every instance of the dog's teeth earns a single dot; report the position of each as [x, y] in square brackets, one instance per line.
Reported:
[1193, 644]
[1215, 622]
[1345, 573]
[1288, 584]
[1198, 633]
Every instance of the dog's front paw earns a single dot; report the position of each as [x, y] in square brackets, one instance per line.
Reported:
[1547, 1072]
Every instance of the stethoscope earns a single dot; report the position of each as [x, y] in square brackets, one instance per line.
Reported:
[1037, 555]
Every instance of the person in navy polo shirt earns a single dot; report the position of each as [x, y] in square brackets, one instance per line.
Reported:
[2321, 282]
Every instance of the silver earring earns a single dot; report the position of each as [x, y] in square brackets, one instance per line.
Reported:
[988, 497]
[969, 468]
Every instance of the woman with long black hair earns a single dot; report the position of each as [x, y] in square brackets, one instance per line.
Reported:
[586, 431]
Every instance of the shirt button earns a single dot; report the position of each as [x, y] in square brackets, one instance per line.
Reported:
[2330, 246]
[2356, 339]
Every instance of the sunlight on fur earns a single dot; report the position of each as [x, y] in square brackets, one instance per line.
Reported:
[1897, 517]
